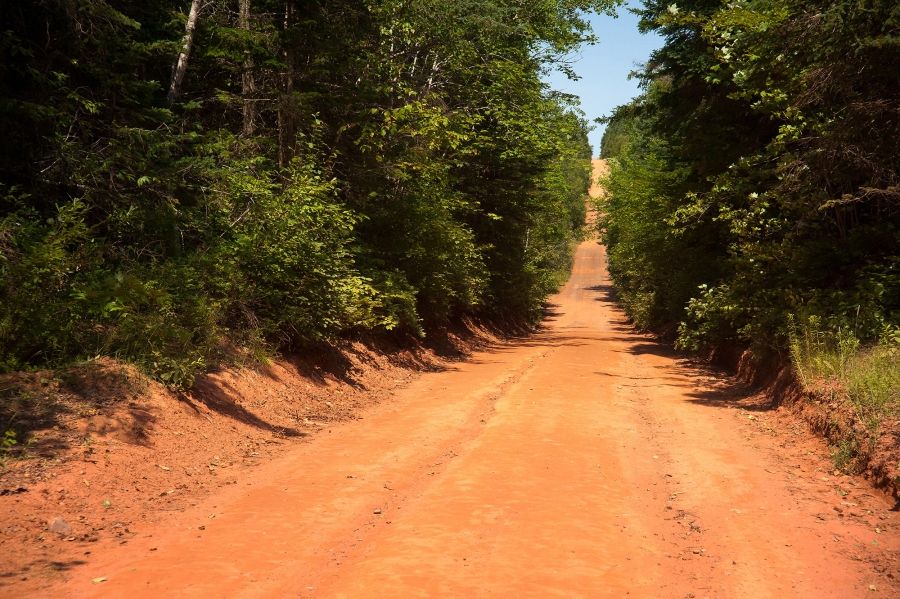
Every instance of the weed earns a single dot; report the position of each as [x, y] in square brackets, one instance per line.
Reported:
[865, 377]
[845, 453]
[9, 439]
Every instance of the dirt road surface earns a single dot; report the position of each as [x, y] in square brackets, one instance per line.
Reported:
[586, 461]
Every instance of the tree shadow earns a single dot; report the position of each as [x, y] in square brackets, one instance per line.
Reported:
[40, 406]
[734, 394]
[683, 367]
[219, 396]
[607, 294]
[58, 566]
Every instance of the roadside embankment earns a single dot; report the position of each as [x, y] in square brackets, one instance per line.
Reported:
[859, 443]
[102, 450]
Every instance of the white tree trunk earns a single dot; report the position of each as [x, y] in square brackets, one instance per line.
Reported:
[248, 85]
[286, 107]
[181, 64]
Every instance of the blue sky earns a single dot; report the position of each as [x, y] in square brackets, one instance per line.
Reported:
[604, 67]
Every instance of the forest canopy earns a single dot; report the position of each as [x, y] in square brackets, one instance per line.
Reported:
[754, 187]
[177, 175]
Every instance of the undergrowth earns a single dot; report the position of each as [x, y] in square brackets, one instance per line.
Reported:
[257, 207]
[848, 372]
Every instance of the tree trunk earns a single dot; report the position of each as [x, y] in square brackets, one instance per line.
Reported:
[248, 85]
[286, 124]
[181, 64]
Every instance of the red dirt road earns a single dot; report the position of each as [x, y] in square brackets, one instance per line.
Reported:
[586, 461]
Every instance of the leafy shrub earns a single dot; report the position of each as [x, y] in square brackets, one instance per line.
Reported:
[414, 168]
[756, 174]
[869, 374]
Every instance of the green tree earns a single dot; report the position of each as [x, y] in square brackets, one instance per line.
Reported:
[772, 159]
[183, 180]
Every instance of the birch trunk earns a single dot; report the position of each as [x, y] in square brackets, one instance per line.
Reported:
[181, 64]
[286, 108]
[248, 85]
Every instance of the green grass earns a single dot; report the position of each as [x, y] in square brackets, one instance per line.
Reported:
[863, 376]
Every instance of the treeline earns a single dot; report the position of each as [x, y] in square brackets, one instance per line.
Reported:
[754, 192]
[181, 178]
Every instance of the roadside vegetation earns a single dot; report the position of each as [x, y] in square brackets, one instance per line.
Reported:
[862, 380]
[184, 181]
[754, 188]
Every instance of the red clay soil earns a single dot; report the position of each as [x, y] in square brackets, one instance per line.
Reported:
[601, 169]
[586, 460]
[110, 453]
[826, 406]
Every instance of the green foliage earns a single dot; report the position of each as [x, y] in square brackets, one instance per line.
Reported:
[866, 377]
[614, 140]
[869, 374]
[763, 154]
[327, 166]
[654, 265]
[9, 439]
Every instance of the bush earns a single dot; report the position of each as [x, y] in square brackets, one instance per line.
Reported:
[869, 374]
[756, 176]
[414, 169]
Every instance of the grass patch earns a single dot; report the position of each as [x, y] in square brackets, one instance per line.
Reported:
[851, 375]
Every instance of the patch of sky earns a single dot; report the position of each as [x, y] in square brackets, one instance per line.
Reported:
[603, 68]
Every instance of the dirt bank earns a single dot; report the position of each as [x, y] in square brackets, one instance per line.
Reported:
[826, 408]
[107, 453]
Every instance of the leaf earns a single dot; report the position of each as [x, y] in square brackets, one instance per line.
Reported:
[98, 579]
